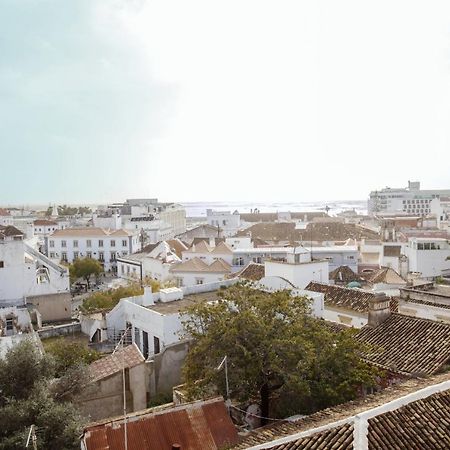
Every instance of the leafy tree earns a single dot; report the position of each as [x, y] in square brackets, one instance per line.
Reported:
[85, 268]
[68, 354]
[108, 299]
[276, 351]
[30, 395]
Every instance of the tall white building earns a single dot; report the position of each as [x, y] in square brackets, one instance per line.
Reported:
[97, 243]
[227, 222]
[24, 272]
[409, 200]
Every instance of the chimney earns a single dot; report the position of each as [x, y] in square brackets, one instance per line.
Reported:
[147, 298]
[379, 309]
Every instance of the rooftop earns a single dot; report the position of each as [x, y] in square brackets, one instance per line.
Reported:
[342, 297]
[198, 265]
[343, 274]
[384, 275]
[252, 271]
[197, 425]
[408, 345]
[90, 231]
[111, 364]
[9, 230]
[177, 306]
[4, 212]
[420, 421]
[44, 222]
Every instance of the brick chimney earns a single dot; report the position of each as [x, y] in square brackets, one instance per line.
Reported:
[379, 309]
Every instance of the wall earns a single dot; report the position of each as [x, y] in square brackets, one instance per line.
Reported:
[190, 278]
[437, 313]
[52, 307]
[300, 275]
[12, 274]
[59, 330]
[345, 317]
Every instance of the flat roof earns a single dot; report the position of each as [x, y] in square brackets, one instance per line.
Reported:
[177, 306]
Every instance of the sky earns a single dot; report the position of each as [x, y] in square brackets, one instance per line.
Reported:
[102, 100]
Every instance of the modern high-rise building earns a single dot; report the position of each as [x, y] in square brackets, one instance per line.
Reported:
[410, 200]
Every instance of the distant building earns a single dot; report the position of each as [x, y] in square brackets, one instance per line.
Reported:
[229, 223]
[411, 200]
[6, 219]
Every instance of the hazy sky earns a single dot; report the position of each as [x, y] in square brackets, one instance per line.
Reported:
[206, 100]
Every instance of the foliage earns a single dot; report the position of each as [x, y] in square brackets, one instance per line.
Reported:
[439, 280]
[85, 268]
[64, 210]
[275, 350]
[160, 399]
[108, 299]
[67, 354]
[29, 395]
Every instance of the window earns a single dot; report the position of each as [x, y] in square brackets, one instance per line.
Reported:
[156, 345]
[419, 246]
[75, 255]
[124, 243]
[75, 244]
[2, 264]
[137, 337]
[88, 254]
[88, 243]
[199, 281]
[113, 256]
[351, 257]
[239, 261]
[52, 255]
[9, 325]
[113, 243]
[257, 259]
[128, 270]
[52, 243]
[101, 256]
[123, 268]
[64, 256]
[145, 344]
[426, 246]
[63, 244]
[100, 243]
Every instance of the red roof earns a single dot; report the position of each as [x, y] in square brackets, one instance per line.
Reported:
[198, 425]
[44, 222]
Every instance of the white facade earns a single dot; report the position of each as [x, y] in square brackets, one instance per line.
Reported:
[24, 272]
[429, 257]
[410, 200]
[6, 219]
[42, 228]
[229, 223]
[103, 245]
[337, 255]
[299, 274]
[440, 207]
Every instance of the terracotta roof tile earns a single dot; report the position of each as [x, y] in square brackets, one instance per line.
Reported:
[342, 297]
[343, 274]
[392, 250]
[408, 345]
[9, 230]
[252, 272]
[111, 364]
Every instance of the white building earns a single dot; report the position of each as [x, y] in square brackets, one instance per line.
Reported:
[44, 227]
[440, 207]
[410, 200]
[154, 261]
[196, 271]
[227, 222]
[6, 219]
[97, 243]
[209, 254]
[24, 272]
[429, 257]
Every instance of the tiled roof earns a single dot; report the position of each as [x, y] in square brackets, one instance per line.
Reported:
[111, 364]
[222, 248]
[408, 345]
[272, 217]
[286, 231]
[346, 413]
[384, 275]
[201, 247]
[336, 438]
[89, 231]
[44, 222]
[197, 265]
[9, 230]
[343, 274]
[196, 240]
[177, 246]
[194, 426]
[423, 424]
[252, 271]
[423, 302]
[342, 297]
[392, 250]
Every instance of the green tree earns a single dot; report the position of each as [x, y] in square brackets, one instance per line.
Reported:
[29, 395]
[276, 351]
[68, 354]
[108, 299]
[85, 268]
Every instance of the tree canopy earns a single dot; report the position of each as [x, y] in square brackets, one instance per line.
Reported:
[278, 354]
[85, 268]
[29, 395]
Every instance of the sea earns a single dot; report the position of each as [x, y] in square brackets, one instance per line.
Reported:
[198, 209]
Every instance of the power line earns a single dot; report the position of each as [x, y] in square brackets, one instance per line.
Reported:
[259, 417]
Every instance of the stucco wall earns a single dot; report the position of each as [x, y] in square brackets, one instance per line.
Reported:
[53, 307]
